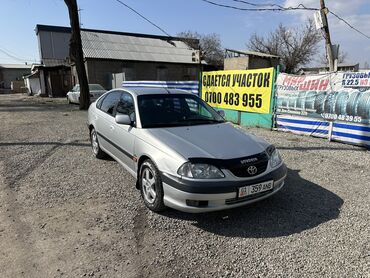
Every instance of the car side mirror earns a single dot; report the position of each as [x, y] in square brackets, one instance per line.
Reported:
[221, 113]
[123, 119]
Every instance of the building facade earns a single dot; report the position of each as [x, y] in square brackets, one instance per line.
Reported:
[241, 60]
[12, 72]
[324, 69]
[108, 54]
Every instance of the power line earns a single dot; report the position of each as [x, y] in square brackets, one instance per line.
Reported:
[349, 25]
[258, 5]
[146, 19]
[273, 7]
[13, 56]
[276, 7]
[300, 6]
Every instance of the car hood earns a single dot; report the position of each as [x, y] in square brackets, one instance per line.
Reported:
[221, 141]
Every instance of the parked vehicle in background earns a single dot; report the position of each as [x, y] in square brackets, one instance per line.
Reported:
[181, 151]
[95, 90]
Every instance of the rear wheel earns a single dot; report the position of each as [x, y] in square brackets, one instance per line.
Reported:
[151, 186]
[98, 153]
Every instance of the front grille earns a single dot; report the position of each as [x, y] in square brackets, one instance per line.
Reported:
[241, 170]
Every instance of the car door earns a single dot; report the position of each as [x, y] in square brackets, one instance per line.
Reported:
[124, 135]
[105, 122]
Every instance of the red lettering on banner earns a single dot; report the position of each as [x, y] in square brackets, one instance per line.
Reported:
[287, 80]
[323, 85]
[299, 80]
[305, 86]
[314, 85]
[364, 82]
[293, 80]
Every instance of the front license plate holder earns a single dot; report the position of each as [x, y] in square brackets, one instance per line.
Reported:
[253, 189]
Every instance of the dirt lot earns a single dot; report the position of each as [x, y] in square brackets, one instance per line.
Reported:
[64, 213]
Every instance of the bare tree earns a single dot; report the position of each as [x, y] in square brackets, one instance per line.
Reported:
[210, 44]
[342, 57]
[295, 46]
[76, 54]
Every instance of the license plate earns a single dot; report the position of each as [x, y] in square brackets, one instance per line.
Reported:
[255, 188]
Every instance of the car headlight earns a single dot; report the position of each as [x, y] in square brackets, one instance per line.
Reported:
[200, 171]
[275, 158]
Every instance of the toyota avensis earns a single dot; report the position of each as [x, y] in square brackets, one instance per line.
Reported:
[181, 151]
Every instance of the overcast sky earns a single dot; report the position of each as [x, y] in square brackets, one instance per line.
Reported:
[19, 18]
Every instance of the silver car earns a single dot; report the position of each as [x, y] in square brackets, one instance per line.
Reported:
[96, 90]
[181, 151]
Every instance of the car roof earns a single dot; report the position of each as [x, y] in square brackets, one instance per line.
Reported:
[153, 90]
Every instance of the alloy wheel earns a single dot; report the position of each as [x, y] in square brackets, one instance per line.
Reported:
[148, 183]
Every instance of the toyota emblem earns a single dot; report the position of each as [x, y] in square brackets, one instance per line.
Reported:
[252, 170]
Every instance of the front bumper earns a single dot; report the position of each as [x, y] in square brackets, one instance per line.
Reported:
[219, 195]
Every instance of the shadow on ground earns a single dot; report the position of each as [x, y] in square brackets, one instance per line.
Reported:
[301, 205]
[36, 106]
[73, 143]
[325, 148]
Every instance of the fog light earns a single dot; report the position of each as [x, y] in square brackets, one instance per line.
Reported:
[195, 203]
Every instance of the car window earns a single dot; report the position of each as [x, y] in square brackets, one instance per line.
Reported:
[98, 104]
[95, 87]
[109, 102]
[126, 105]
[196, 108]
[168, 110]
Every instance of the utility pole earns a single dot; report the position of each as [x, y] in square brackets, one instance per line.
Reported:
[329, 50]
[76, 54]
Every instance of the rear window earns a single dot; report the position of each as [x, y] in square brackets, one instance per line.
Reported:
[95, 87]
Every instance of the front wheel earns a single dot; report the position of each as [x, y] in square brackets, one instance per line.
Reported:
[98, 153]
[151, 186]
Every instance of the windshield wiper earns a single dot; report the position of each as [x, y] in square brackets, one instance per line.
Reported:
[203, 120]
[165, 125]
[184, 122]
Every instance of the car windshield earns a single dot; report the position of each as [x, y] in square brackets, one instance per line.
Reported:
[172, 110]
[95, 87]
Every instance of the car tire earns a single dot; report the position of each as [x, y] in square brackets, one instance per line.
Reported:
[151, 186]
[97, 151]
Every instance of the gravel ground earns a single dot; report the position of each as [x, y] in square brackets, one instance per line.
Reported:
[64, 213]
